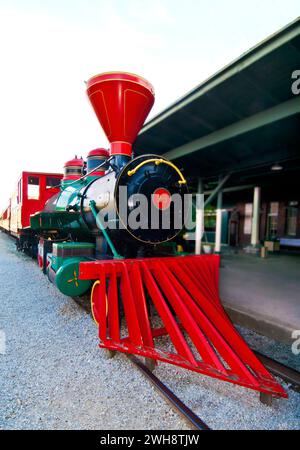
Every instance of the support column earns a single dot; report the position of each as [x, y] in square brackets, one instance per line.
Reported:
[199, 218]
[218, 223]
[255, 217]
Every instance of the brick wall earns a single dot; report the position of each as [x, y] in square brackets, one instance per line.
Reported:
[245, 239]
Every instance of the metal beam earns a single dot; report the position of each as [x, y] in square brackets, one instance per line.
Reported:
[256, 53]
[216, 190]
[258, 120]
[233, 188]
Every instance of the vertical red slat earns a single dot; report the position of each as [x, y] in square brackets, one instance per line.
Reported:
[102, 306]
[200, 341]
[223, 326]
[181, 268]
[203, 272]
[188, 288]
[113, 307]
[208, 277]
[141, 305]
[170, 323]
[130, 311]
[210, 262]
[209, 329]
[200, 278]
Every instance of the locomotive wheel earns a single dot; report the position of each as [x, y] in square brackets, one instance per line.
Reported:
[94, 306]
[95, 313]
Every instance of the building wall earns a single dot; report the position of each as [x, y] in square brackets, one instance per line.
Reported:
[282, 191]
[245, 238]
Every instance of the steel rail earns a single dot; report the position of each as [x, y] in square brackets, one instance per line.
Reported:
[180, 407]
[281, 370]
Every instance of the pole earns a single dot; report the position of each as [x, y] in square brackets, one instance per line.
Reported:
[105, 234]
[199, 217]
[218, 223]
[217, 189]
[255, 217]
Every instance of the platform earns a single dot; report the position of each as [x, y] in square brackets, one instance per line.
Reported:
[263, 294]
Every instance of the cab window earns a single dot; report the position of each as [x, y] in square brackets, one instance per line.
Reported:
[52, 182]
[33, 188]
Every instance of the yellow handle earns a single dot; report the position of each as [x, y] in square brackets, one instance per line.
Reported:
[158, 161]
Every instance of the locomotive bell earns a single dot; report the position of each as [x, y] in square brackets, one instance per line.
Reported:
[121, 101]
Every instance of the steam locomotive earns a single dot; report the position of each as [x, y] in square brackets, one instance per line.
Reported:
[85, 236]
[88, 218]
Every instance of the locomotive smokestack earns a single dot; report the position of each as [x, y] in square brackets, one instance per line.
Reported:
[121, 101]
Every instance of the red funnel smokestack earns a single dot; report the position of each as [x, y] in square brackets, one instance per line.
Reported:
[121, 101]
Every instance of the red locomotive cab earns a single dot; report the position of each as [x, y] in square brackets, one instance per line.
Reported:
[73, 169]
[96, 158]
[32, 191]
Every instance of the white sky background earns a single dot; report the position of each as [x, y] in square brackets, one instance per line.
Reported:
[48, 48]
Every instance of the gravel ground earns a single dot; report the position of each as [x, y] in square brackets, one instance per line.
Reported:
[53, 376]
[277, 350]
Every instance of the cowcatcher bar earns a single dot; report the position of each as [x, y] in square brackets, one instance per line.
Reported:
[183, 291]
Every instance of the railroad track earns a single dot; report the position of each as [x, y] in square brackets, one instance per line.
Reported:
[188, 415]
[280, 370]
[286, 373]
[176, 403]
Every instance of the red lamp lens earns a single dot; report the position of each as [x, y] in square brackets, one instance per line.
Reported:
[161, 198]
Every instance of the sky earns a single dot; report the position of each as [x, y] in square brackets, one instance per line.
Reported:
[49, 48]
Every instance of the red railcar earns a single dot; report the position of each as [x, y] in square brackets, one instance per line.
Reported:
[32, 191]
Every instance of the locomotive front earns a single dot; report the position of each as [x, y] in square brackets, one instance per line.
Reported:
[139, 200]
[118, 208]
[115, 205]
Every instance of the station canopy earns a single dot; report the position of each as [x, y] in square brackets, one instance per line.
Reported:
[244, 119]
